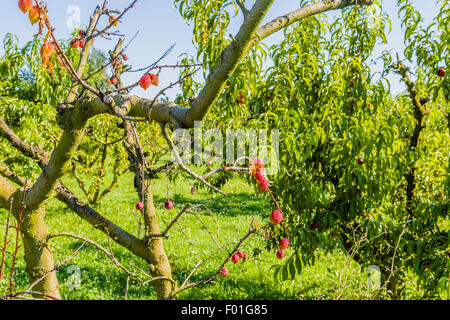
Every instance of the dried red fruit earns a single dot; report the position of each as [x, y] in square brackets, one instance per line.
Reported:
[48, 48]
[146, 81]
[25, 5]
[276, 217]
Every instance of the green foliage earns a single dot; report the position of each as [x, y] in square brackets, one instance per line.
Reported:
[333, 277]
[331, 108]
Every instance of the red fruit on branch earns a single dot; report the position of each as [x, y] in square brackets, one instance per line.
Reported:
[113, 80]
[168, 205]
[441, 72]
[241, 254]
[263, 184]
[280, 254]
[25, 5]
[82, 43]
[258, 163]
[235, 258]
[224, 272]
[284, 244]
[74, 43]
[259, 176]
[140, 206]
[155, 81]
[360, 160]
[82, 33]
[276, 217]
[313, 226]
[33, 15]
[125, 57]
[146, 81]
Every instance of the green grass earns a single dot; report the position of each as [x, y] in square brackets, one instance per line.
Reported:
[334, 276]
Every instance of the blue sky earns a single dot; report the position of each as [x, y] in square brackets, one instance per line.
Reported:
[160, 25]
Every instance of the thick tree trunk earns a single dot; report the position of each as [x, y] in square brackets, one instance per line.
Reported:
[157, 258]
[154, 254]
[38, 256]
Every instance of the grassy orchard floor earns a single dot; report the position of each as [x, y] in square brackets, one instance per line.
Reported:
[333, 276]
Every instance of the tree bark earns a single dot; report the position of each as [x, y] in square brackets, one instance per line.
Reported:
[156, 256]
[38, 256]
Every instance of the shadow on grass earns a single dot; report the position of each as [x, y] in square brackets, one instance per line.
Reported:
[232, 205]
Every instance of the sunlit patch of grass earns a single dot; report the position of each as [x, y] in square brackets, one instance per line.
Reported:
[332, 277]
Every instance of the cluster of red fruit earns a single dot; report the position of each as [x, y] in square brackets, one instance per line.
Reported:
[235, 259]
[276, 217]
[79, 42]
[256, 170]
[33, 11]
[147, 80]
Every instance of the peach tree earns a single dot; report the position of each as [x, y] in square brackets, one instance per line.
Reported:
[56, 95]
[361, 170]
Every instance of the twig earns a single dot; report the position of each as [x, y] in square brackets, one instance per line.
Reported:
[16, 251]
[5, 244]
[181, 164]
[203, 282]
